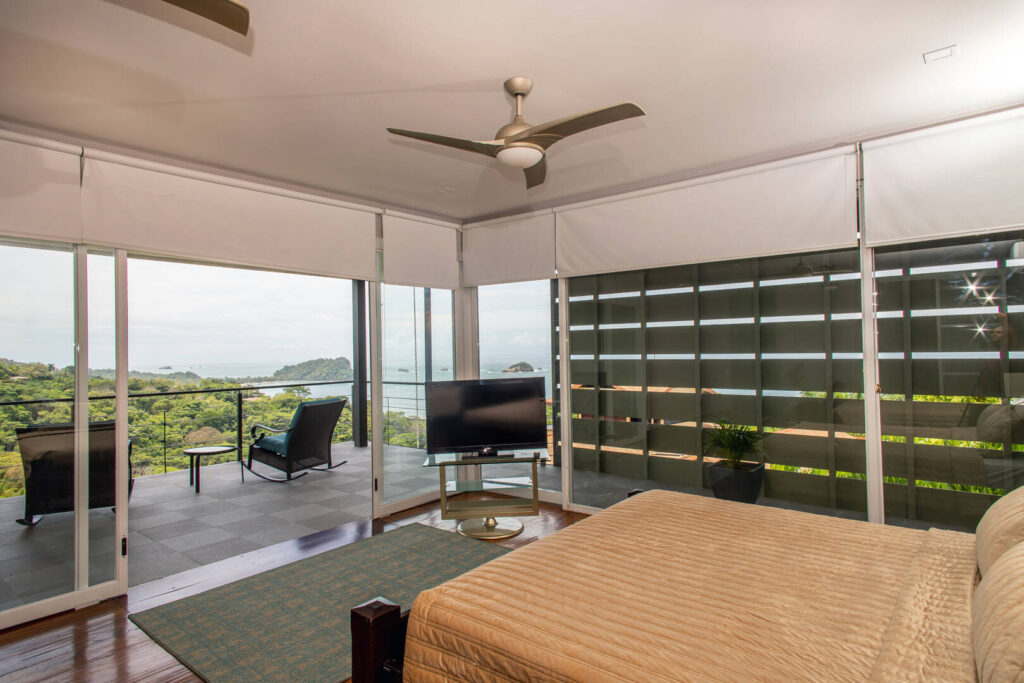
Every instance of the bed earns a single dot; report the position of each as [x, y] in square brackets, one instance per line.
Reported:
[668, 586]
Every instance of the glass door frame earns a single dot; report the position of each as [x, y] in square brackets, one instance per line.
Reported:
[83, 594]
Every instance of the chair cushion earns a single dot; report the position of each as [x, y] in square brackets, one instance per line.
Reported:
[997, 619]
[1001, 528]
[276, 443]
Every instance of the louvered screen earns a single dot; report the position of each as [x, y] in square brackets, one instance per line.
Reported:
[773, 343]
[951, 347]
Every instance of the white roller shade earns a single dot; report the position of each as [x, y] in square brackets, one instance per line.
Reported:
[420, 253]
[802, 204]
[39, 192]
[957, 179]
[155, 212]
[509, 250]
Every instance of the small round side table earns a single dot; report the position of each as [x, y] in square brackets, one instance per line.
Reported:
[194, 459]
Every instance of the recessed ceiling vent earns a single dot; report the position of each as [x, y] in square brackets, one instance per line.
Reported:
[941, 53]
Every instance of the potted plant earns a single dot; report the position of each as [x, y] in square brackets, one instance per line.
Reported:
[734, 478]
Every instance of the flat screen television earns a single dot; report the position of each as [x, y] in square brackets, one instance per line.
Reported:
[486, 415]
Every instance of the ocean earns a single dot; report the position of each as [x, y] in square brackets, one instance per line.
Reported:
[406, 398]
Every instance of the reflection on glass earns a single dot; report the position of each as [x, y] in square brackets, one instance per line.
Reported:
[516, 341]
[102, 456]
[417, 348]
[660, 356]
[950, 367]
[36, 388]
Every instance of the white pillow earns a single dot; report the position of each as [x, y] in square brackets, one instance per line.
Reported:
[1000, 529]
[997, 619]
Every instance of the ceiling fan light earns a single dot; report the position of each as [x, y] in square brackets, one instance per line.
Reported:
[520, 157]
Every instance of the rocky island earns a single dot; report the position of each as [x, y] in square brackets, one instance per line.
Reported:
[521, 366]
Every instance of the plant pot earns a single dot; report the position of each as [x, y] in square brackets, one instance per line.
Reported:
[741, 484]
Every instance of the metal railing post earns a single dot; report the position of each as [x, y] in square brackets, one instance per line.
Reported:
[165, 440]
[238, 417]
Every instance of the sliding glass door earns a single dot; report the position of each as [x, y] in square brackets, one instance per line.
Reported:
[58, 450]
[417, 347]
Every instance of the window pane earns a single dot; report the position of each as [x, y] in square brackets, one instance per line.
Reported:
[515, 341]
[36, 388]
[659, 357]
[950, 368]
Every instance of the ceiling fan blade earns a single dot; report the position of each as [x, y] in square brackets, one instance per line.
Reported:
[536, 174]
[233, 15]
[487, 148]
[547, 134]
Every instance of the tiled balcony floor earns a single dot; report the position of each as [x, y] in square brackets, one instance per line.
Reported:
[171, 528]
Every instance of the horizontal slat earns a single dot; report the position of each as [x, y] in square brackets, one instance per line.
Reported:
[670, 307]
[848, 376]
[621, 403]
[850, 455]
[584, 401]
[851, 494]
[584, 431]
[846, 336]
[738, 338]
[796, 450]
[674, 340]
[727, 374]
[622, 465]
[670, 439]
[741, 409]
[622, 434]
[673, 406]
[936, 463]
[793, 375]
[800, 299]
[799, 413]
[674, 471]
[671, 373]
[671, 277]
[958, 508]
[950, 289]
[809, 489]
[844, 296]
[727, 303]
[793, 337]
[939, 333]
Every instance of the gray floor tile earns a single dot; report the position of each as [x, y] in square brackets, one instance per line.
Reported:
[221, 551]
[297, 514]
[331, 520]
[235, 515]
[197, 539]
[280, 534]
[186, 526]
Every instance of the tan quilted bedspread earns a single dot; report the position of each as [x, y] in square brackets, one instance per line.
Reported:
[668, 586]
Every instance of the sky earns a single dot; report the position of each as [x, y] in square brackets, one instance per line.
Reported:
[184, 315]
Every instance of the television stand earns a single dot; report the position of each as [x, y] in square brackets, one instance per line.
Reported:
[480, 517]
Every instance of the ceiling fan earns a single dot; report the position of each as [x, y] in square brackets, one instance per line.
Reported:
[228, 13]
[522, 145]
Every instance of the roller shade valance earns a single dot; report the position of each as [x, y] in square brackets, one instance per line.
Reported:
[39, 190]
[510, 250]
[161, 213]
[420, 253]
[801, 204]
[957, 179]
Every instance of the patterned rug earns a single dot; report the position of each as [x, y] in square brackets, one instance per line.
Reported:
[292, 623]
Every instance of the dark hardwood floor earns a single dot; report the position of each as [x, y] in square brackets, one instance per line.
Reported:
[99, 643]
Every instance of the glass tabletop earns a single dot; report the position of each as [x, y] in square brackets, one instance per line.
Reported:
[462, 459]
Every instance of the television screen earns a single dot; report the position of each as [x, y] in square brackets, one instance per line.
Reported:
[474, 415]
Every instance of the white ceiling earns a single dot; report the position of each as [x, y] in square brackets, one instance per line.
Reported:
[305, 97]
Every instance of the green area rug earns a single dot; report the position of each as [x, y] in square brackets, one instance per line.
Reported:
[292, 623]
